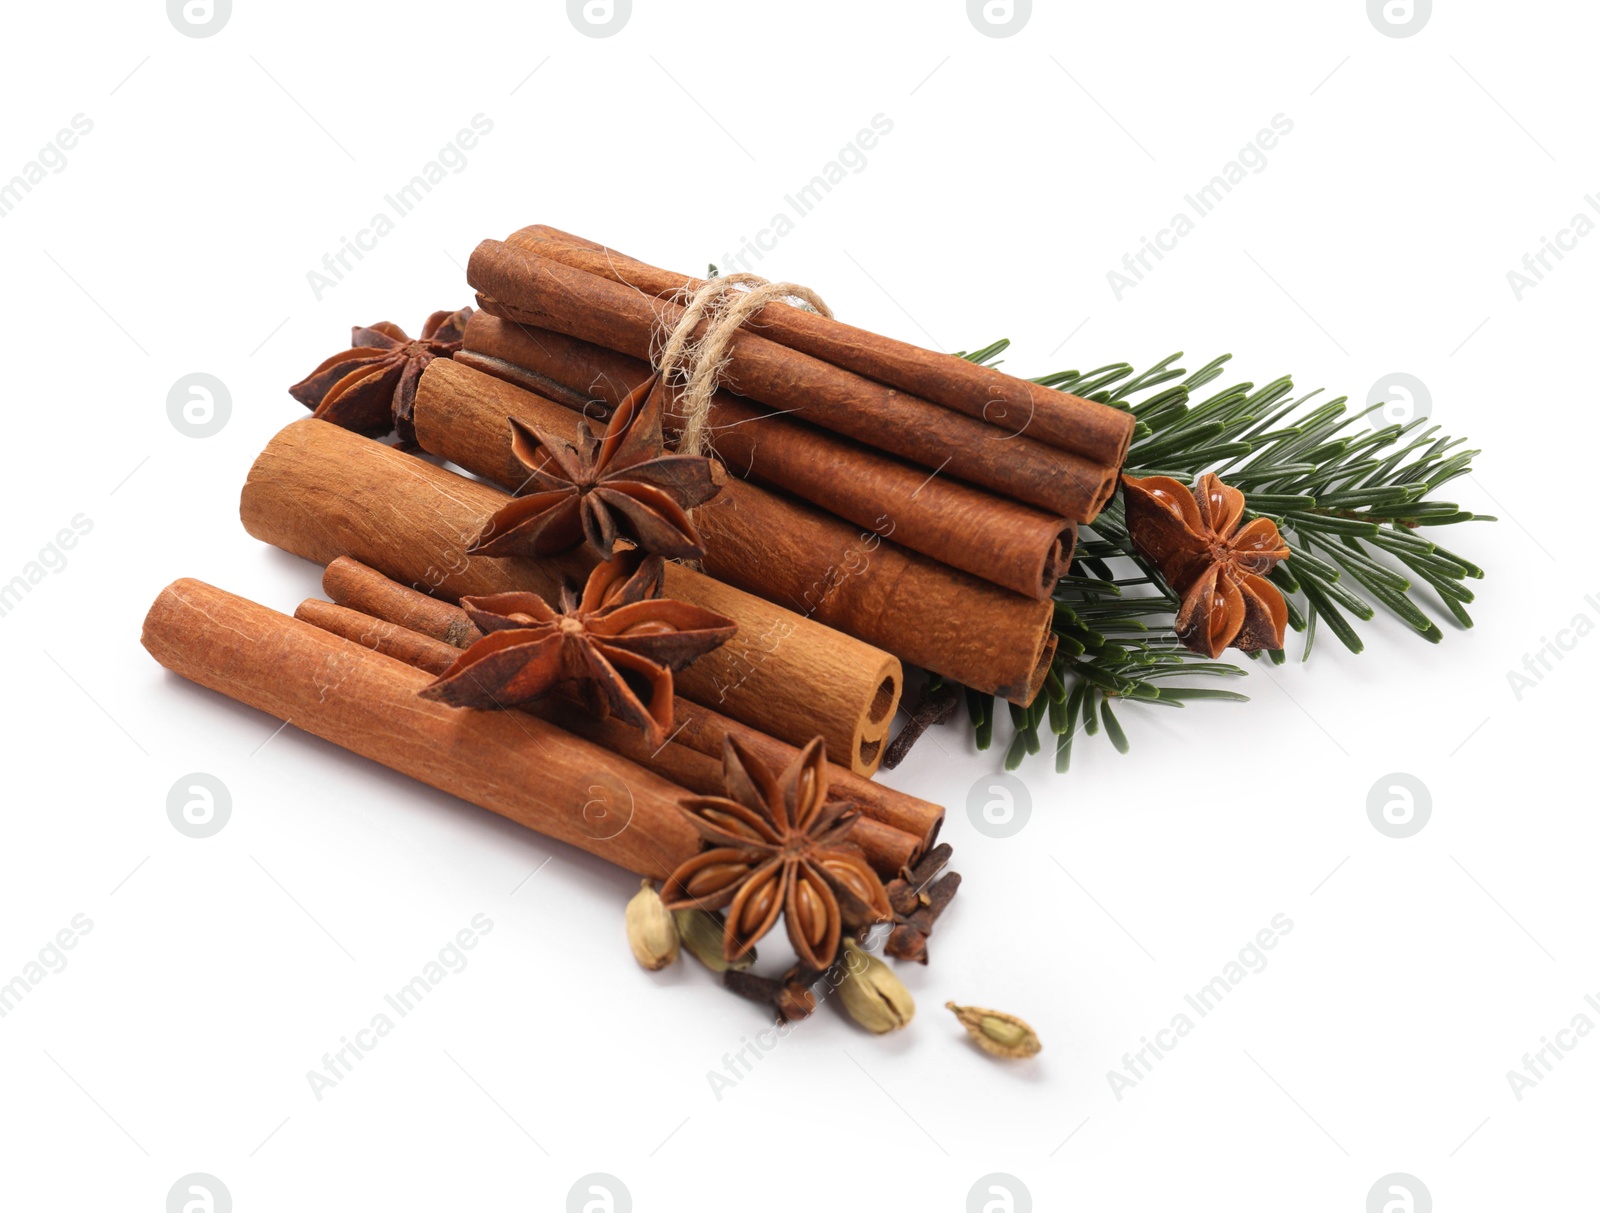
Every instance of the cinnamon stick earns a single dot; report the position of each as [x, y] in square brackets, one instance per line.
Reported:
[351, 584]
[696, 727]
[322, 492]
[1085, 427]
[535, 290]
[1003, 541]
[924, 612]
[888, 849]
[391, 639]
[367, 703]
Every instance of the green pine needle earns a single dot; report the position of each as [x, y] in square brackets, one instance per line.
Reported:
[1353, 499]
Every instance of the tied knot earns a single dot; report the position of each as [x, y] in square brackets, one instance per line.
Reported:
[691, 366]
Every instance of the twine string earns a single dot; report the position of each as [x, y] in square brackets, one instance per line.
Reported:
[692, 368]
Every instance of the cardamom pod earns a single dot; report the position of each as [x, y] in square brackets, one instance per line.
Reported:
[997, 1033]
[651, 933]
[870, 992]
[701, 933]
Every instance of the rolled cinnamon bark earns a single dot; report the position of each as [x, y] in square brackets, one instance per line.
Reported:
[535, 290]
[696, 727]
[888, 849]
[703, 730]
[1096, 431]
[528, 356]
[352, 584]
[391, 639]
[1042, 670]
[367, 703]
[321, 492]
[924, 612]
[1000, 540]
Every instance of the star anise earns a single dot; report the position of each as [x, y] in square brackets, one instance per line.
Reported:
[371, 387]
[1215, 566]
[778, 846]
[619, 641]
[623, 482]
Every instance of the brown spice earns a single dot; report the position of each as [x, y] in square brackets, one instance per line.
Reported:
[1003, 541]
[696, 729]
[917, 900]
[352, 584]
[370, 387]
[777, 847]
[1216, 567]
[790, 995]
[788, 552]
[888, 849]
[623, 482]
[620, 638]
[529, 289]
[935, 705]
[512, 764]
[321, 492]
[1096, 431]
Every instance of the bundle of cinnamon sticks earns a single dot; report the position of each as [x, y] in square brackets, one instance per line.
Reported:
[912, 499]
[875, 504]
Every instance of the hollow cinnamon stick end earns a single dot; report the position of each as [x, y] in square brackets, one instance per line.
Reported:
[872, 728]
[1025, 696]
[1105, 489]
[887, 849]
[1057, 560]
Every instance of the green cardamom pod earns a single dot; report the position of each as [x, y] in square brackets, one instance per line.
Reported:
[651, 933]
[701, 933]
[997, 1033]
[870, 992]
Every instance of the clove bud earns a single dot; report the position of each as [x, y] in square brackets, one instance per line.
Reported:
[789, 995]
[651, 933]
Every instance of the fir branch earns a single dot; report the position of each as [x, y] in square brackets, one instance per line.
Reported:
[1354, 501]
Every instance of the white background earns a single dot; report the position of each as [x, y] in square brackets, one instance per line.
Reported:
[1019, 171]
